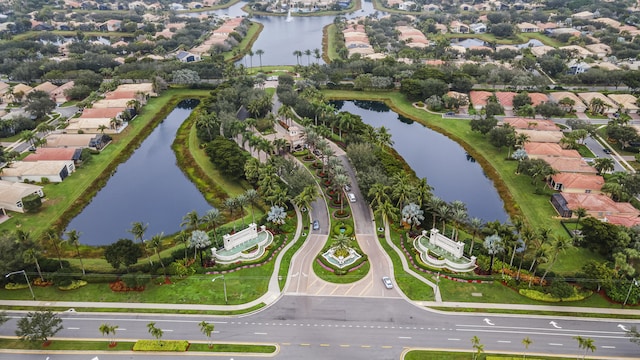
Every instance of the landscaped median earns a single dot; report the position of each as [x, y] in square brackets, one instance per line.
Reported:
[143, 345]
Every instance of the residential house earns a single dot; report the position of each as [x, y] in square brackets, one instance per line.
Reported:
[54, 171]
[458, 28]
[176, 7]
[583, 15]
[63, 140]
[609, 22]
[599, 206]
[413, 37]
[578, 106]
[479, 98]
[541, 136]
[55, 154]
[538, 98]
[407, 5]
[145, 88]
[627, 102]
[576, 183]
[538, 51]
[537, 150]
[577, 51]
[478, 28]
[187, 57]
[569, 165]
[531, 124]
[575, 67]
[599, 49]
[58, 95]
[505, 98]
[47, 87]
[110, 25]
[609, 106]
[526, 27]
[12, 193]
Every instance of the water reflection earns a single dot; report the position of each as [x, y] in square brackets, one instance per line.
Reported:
[448, 168]
[148, 187]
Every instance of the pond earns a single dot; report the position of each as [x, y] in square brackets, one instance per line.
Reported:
[452, 173]
[148, 187]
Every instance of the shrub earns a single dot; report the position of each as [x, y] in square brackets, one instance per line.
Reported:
[100, 278]
[348, 229]
[15, 286]
[75, 284]
[162, 345]
[32, 202]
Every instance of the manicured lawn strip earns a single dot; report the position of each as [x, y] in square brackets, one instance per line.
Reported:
[329, 50]
[349, 278]
[516, 191]
[252, 35]
[79, 345]
[455, 355]
[146, 311]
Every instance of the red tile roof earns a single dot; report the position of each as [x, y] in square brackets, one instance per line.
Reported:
[505, 98]
[101, 113]
[538, 98]
[49, 154]
[532, 124]
[573, 165]
[479, 98]
[549, 149]
[599, 205]
[579, 181]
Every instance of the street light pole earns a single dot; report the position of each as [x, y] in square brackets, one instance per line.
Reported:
[224, 285]
[634, 282]
[26, 277]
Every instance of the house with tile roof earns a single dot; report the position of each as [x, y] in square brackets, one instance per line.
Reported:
[479, 98]
[536, 149]
[58, 94]
[569, 165]
[12, 193]
[55, 154]
[578, 106]
[54, 171]
[541, 136]
[576, 183]
[531, 124]
[627, 102]
[46, 87]
[609, 108]
[526, 27]
[599, 206]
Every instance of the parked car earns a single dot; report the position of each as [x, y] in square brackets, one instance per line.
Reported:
[347, 188]
[316, 225]
[352, 197]
[606, 151]
[450, 113]
[387, 282]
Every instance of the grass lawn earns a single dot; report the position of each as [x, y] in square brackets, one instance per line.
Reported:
[329, 50]
[453, 355]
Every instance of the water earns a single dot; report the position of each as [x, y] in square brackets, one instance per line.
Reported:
[452, 173]
[282, 35]
[148, 188]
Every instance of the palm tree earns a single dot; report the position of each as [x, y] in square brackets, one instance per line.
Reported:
[102, 128]
[603, 165]
[580, 212]
[477, 346]
[423, 191]
[586, 344]
[443, 211]
[241, 202]
[53, 237]
[493, 244]
[475, 225]
[341, 241]
[154, 331]
[526, 342]
[207, 328]
[298, 55]
[317, 55]
[191, 220]
[106, 329]
[260, 52]
[156, 244]
[458, 215]
[308, 53]
[559, 244]
[251, 195]
[73, 237]
[30, 256]
[138, 230]
[183, 237]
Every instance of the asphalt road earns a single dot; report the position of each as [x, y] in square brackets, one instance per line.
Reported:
[320, 327]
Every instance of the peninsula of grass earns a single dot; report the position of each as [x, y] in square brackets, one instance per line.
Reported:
[154, 345]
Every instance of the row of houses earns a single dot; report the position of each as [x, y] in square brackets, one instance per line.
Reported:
[17, 92]
[60, 154]
[218, 37]
[577, 182]
[581, 101]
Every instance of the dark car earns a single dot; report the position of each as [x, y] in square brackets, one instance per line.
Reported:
[606, 151]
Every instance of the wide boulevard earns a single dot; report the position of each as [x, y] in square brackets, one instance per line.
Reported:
[319, 327]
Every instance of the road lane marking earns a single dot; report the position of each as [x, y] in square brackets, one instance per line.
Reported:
[453, 339]
[73, 328]
[607, 347]
[365, 346]
[504, 341]
[344, 345]
[404, 337]
[540, 333]
[304, 344]
[556, 331]
[555, 344]
[386, 346]
[167, 330]
[325, 345]
[259, 333]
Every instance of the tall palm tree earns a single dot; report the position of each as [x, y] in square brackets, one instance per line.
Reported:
[586, 344]
[379, 194]
[423, 191]
[73, 237]
[459, 215]
[298, 55]
[476, 226]
[251, 195]
[156, 244]
[559, 245]
[580, 212]
[183, 237]
[308, 53]
[317, 55]
[603, 165]
[30, 256]
[432, 205]
[241, 202]
[526, 342]
[443, 211]
[387, 211]
[260, 52]
[191, 220]
[493, 244]
[138, 229]
[53, 237]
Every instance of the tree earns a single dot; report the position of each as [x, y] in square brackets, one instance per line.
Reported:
[493, 245]
[30, 256]
[484, 125]
[526, 342]
[559, 245]
[185, 77]
[199, 240]
[138, 229]
[260, 52]
[191, 220]
[39, 326]
[207, 329]
[122, 252]
[634, 335]
[276, 215]
[603, 165]
[586, 344]
[212, 219]
[109, 330]
[156, 244]
[477, 346]
[73, 237]
[3, 317]
[39, 104]
[155, 331]
[476, 226]
[412, 215]
[580, 213]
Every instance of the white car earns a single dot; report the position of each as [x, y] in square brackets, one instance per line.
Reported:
[352, 197]
[387, 282]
